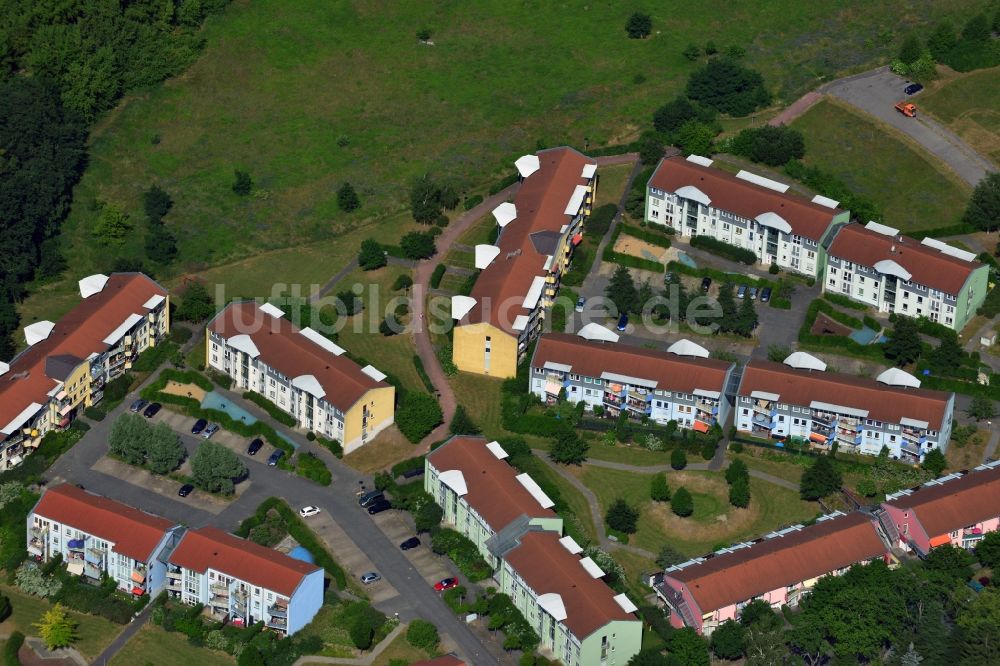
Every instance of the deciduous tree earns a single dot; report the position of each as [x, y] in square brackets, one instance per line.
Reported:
[196, 303]
[417, 245]
[821, 479]
[934, 462]
[57, 628]
[164, 451]
[371, 256]
[729, 640]
[904, 344]
[215, 468]
[127, 439]
[981, 408]
[639, 26]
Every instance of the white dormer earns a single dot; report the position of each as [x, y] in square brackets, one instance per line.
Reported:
[35, 333]
[92, 284]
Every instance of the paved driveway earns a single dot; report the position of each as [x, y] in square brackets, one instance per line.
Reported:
[878, 91]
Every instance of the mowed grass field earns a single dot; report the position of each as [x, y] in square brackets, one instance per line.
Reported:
[970, 105]
[154, 645]
[912, 188]
[307, 95]
[93, 633]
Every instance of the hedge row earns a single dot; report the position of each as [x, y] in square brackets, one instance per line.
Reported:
[463, 552]
[331, 445]
[422, 373]
[438, 275]
[724, 250]
[312, 468]
[11, 648]
[809, 341]
[950, 230]
[720, 276]
[472, 202]
[272, 409]
[408, 465]
[300, 532]
[844, 301]
[627, 260]
[504, 183]
[153, 357]
[652, 237]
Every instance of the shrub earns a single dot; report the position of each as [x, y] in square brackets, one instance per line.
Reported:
[682, 503]
[95, 413]
[708, 450]
[417, 415]
[622, 517]
[472, 202]
[403, 281]
[422, 634]
[314, 469]
[723, 249]
[770, 145]
[437, 275]
[727, 86]
[11, 648]
[678, 459]
[242, 183]
[463, 552]
[272, 409]
[371, 256]
[659, 491]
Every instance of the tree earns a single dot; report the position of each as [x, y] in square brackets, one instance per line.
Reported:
[977, 29]
[758, 613]
[160, 244]
[639, 26]
[621, 290]
[746, 318]
[352, 304]
[422, 634]
[569, 448]
[417, 245]
[643, 295]
[112, 225]
[942, 40]
[371, 256]
[164, 450]
[821, 479]
[347, 198]
[214, 468]
[691, 52]
[462, 424]
[988, 551]
[867, 487]
[739, 493]
[622, 517]
[682, 503]
[934, 462]
[403, 281]
[950, 562]
[687, 648]
[668, 556]
[695, 138]
[911, 49]
[774, 146]
[56, 627]
[729, 640]
[981, 408]
[980, 624]
[736, 471]
[30, 580]
[156, 203]
[904, 344]
[5, 608]
[983, 210]
[648, 657]
[728, 87]
[387, 328]
[678, 459]
[417, 415]
[242, 183]
[361, 631]
[669, 117]
[947, 356]
[425, 201]
[711, 48]
[127, 439]
[428, 516]
[650, 147]
[659, 491]
[196, 303]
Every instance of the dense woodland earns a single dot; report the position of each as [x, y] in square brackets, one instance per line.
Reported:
[62, 63]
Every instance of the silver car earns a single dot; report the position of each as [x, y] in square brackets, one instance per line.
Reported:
[210, 430]
[370, 577]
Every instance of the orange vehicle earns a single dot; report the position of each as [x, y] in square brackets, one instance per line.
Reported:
[907, 109]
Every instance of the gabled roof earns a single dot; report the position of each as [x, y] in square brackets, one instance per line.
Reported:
[540, 203]
[492, 487]
[885, 403]
[778, 561]
[950, 505]
[284, 347]
[211, 548]
[134, 533]
[551, 570]
[744, 198]
[669, 371]
[79, 333]
[926, 265]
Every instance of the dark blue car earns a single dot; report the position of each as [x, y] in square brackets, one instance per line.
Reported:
[275, 457]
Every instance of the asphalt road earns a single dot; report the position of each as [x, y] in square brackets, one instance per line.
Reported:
[877, 92]
[416, 597]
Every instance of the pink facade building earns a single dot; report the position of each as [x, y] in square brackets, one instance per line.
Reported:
[779, 568]
[958, 509]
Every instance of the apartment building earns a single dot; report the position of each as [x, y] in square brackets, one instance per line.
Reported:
[97, 536]
[483, 497]
[681, 384]
[875, 265]
[67, 363]
[779, 568]
[242, 582]
[520, 275]
[745, 210]
[581, 621]
[798, 399]
[301, 371]
[958, 509]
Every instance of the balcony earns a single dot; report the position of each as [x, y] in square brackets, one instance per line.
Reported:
[707, 407]
[279, 623]
[92, 571]
[94, 556]
[278, 610]
[139, 575]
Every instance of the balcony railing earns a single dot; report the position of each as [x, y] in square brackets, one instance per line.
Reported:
[278, 610]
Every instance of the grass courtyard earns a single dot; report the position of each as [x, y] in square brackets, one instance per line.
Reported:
[93, 633]
[970, 105]
[169, 649]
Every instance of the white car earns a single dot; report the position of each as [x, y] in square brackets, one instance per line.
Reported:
[309, 511]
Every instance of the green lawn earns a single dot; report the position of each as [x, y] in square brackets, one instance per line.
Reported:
[612, 183]
[913, 189]
[153, 645]
[93, 633]
[970, 105]
[461, 259]
[480, 232]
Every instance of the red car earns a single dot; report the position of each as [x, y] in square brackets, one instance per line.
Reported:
[446, 584]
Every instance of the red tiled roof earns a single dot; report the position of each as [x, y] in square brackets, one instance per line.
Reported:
[591, 358]
[884, 403]
[134, 533]
[928, 266]
[494, 492]
[727, 192]
[953, 504]
[547, 567]
[79, 333]
[777, 562]
[540, 202]
[211, 548]
[283, 348]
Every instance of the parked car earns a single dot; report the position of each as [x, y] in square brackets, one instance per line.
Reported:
[410, 543]
[580, 302]
[198, 426]
[445, 584]
[210, 430]
[379, 505]
[185, 490]
[765, 294]
[151, 410]
[138, 405]
[255, 446]
[913, 89]
[753, 293]
[370, 577]
[367, 499]
[272, 461]
[706, 282]
[623, 322]
[309, 511]
[741, 291]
